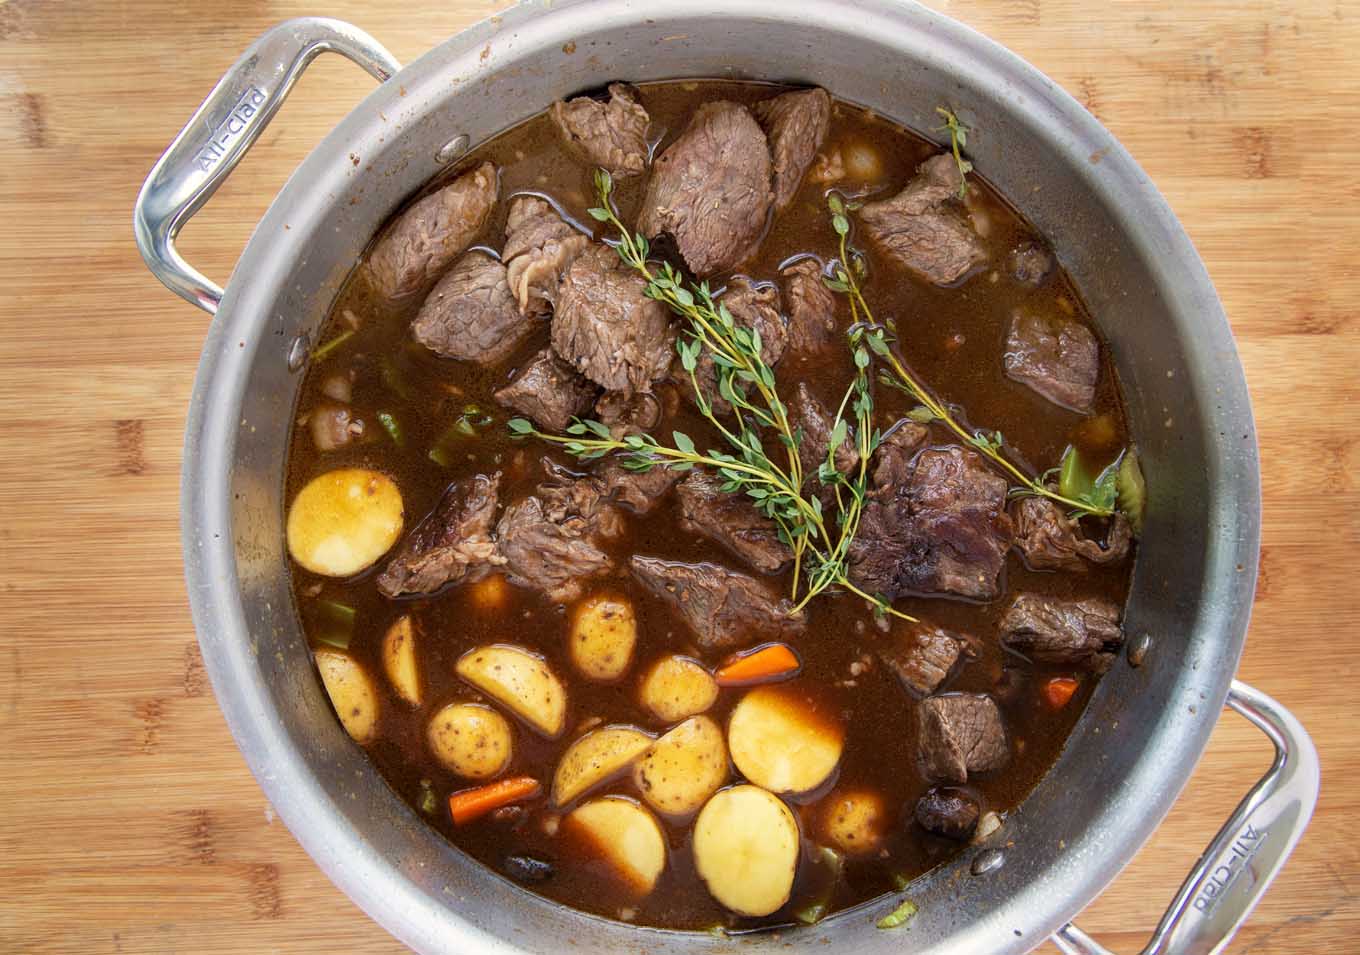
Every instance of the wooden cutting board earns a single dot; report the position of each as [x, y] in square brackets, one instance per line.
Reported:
[128, 821]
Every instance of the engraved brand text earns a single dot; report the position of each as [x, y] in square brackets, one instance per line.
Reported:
[231, 128]
[1230, 866]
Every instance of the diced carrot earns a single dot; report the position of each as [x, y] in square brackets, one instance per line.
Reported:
[469, 804]
[1058, 691]
[773, 661]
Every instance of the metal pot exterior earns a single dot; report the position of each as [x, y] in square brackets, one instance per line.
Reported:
[1139, 739]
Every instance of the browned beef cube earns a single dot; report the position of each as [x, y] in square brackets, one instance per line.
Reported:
[723, 608]
[539, 247]
[811, 305]
[425, 239]
[1059, 359]
[961, 733]
[796, 125]
[605, 326]
[639, 491]
[731, 519]
[1050, 540]
[807, 412]
[549, 391]
[1030, 263]
[611, 133]
[471, 314]
[754, 307]
[450, 545]
[554, 539]
[922, 657]
[1078, 633]
[941, 528]
[891, 463]
[710, 190]
[922, 229]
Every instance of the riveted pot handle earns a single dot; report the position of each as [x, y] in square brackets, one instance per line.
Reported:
[218, 135]
[1247, 853]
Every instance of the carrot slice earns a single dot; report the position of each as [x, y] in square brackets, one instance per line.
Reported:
[1058, 691]
[773, 661]
[469, 804]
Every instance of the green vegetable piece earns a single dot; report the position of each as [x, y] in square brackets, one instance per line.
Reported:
[323, 350]
[1131, 490]
[899, 916]
[392, 427]
[337, 624]
[428, 803]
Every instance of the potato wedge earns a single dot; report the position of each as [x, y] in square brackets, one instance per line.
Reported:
[677, 687]
[603, 635]
[471, 739]
[782, 740]
[619, 830]
[520, 680]
[682, 769]
[399, 659]
[351, 691]
[342, 521]
[853, 820]
[746, 849]
[594, 759]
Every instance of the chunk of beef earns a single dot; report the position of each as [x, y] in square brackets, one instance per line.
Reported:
[1050, 540]
[639, 491]
[423, 241]
[891, 463]
[796, 125]
[710, 190]
[1030, 263]
[630, 414]
[755, 307]
[809, 414]
[334, 426]
[1059, 359]
[606, 328]
[944, 529]
[471, 314]
[539, 247]
[811, 305]
[610, 133]
[554, 538]
[921, 227]
[922, 657]
[452, 544]
[549, 391]
[1079, 633]
[961, 733]
[732, 520]
[725, 609]
[951, 813]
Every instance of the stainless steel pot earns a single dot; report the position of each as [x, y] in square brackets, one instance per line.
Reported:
[1139, 739]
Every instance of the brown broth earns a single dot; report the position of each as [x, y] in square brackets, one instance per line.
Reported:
[954, 339]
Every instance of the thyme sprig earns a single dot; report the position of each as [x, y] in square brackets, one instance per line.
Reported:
[847, 281]
[958, 140]
[776, 484]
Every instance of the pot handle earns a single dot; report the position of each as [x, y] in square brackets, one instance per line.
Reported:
[218, 135]
[1237, 867]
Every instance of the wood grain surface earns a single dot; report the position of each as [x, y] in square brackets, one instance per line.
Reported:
[128, 820]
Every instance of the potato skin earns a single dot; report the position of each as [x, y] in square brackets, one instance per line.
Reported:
[678, 773]
[351, 691]
[676, 687]
[603, 636]
[519, 680]
[472, 740]
[399, 659]
[852, 821]
[594, 759]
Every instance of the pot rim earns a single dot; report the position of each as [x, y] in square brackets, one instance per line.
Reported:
[378, 884]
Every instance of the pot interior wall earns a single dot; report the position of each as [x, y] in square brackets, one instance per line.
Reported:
[1145, 728]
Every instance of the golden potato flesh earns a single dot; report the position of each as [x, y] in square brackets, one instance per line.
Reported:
[342, 521]
[603, 635]
[351, 691]
[853, 821]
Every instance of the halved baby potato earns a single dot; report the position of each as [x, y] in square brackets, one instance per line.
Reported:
[677, 687]
[625, 834]
[342, 521]
[399, 659]
[781, 740]
[682, 769]
[603, 635]
[594, 759]
[853, 820]
[520, 680]
[471, 739]
[746, 849]
[351, 691]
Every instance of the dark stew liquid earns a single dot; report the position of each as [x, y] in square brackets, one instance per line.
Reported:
[954, 338]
